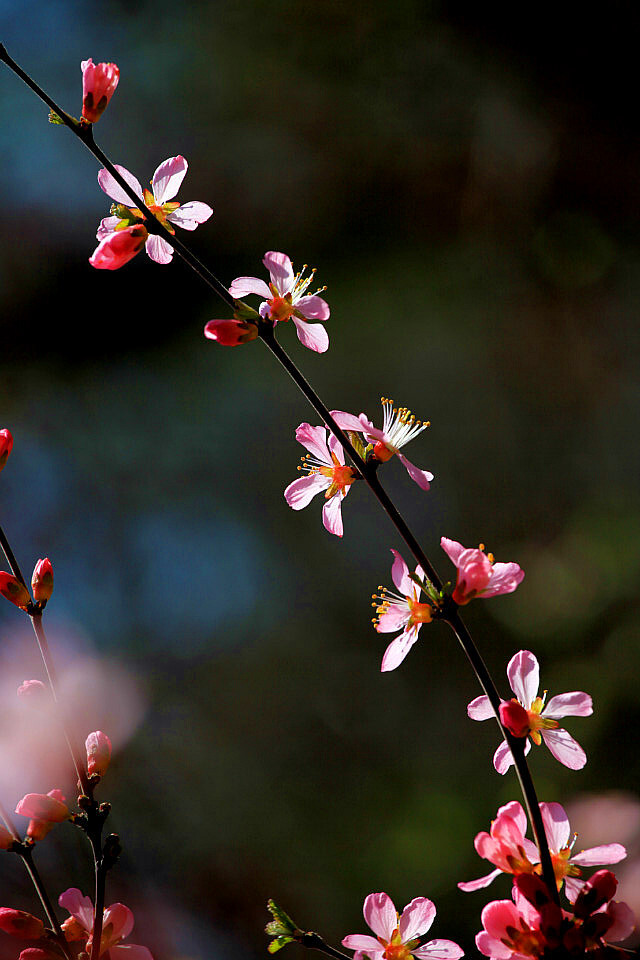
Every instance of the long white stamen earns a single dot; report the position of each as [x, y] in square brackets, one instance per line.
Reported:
[399, 424]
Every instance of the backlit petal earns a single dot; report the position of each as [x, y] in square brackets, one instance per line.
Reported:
[575, 704]
[167, 178]
[380, 914]
[416, 918]
[524, 676]
[113, 189]
[313, 336]
[565, 748]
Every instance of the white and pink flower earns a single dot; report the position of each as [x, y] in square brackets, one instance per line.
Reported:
[401, 611]
[399, 427]
[124, 218]
[527, 715]
[286, 298]
[397, 937]
[326, 473]
[478, 573]
[117, 923]
[509, 850]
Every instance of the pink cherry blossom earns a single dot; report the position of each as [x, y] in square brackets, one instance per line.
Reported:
[402, 610]
[286, 298]
[507, 847]
[398, 937]
[478, 574]
[399, 427]
[99, 81]
[109, 255]
[117, 924]
[542, 721]
[326, 472]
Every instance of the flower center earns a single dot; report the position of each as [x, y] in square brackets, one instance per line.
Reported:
[280, 308]
[341, 477]
[420, 612]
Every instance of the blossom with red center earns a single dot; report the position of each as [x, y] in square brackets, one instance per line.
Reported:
[478, 573]
[111, 252]
[397, 937]
[99, 81]
[6, 444]
[326, 471]
[399, 427]
[286, 298]
[402, 610]
[528, 716]
[507, 847]
[45, 810]
[117, 923]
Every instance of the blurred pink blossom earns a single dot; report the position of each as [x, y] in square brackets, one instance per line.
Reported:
[117, 924]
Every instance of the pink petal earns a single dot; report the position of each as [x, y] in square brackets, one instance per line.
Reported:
[572, 887]
[113, 189]
[498, 915]
[301, 492]
[400, 576]
[332, 514]
[513, 809]
[394, 619]
[42, 806]
[313, 308]
[314, 439]
[121, 920]
[564, 748]
[492, 948]
[452, 548]
[624, 921]
[439, 950]
[158, 249]
[118, 248]
[596, 856]
[421, 477]
[312, 335]
[556, 825]
[167, 178]
[371, 432]
[398, 649]
[470, 885]
[361, 941]
[524, 676]
[575, 704]
[416, 918]
[480, 709]
[79, 906]
[505, 577]
[107, 227]
[335, 447]
[189, 215]
[280, 271]
[243, 286]
[380, 914]
[502, 758]
[347, 421]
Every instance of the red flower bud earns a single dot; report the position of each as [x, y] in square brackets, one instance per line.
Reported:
[6, 443]
[230, 333]
[515, 718]
[119, 247]
[42, 581]
[45, 810]
[20, 924]
[99, 81]
[12, 589]
[98, 752]
[598, 890]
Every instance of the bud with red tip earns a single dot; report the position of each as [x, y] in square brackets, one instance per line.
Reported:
[20, 924]
[99, 81]
[230, 333]
[515, 718]
[6, 443]
[42, 581]
[119, 247]
[14, 590]
[98, 752]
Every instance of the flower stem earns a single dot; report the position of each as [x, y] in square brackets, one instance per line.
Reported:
[315, 942]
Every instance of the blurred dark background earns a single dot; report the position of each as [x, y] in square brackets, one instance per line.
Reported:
[465, 180]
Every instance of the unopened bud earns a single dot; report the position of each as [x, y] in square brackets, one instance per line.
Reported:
[98, 752]
[20, 924]
[12, 589]
[6, 443]
[45, 810]
[230, 333]
[42, 581]
[99, 81]
[598, 890]
[515, 718]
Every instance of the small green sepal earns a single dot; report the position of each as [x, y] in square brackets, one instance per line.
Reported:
[54, 118]
[244, 312]
[282, 928]
[279, 943]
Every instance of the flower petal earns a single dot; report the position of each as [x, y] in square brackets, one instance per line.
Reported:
[439, 950]
[189, 215]
[107, 227]
[158, 249]
[120, 918]
[332, 514]
[362, 941]
[452, 548]
[347, 421]
[243, 286]
[301, 492]
[395, 618]
[524, 677]
[480, 708]
[556, 826]
[597, 856]
[398, 649]
[624, 921]
[380, 914]
[503, 758]
[79, 906]
[313, 336]
[505, 577]
[280, 271]
[113, 189]
[421, 477]
[167, 178]
[400, 575]
[416, 918]
[313, 308]
[575, 704]
[468, 886]
[315, 441]
[564, 748]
